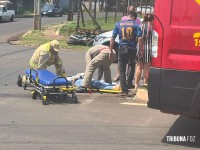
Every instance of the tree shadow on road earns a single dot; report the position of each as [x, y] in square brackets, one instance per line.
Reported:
[185, 132]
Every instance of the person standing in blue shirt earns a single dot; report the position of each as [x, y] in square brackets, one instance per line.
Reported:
[129, 33]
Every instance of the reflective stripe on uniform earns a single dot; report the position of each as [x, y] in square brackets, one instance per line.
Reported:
[42, 50]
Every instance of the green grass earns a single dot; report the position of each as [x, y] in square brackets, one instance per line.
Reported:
[36, 38]
[70, 27]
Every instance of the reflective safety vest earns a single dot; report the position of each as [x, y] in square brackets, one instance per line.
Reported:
[43, 58]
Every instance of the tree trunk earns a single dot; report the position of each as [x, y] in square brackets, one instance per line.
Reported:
[90, 5]
[70, 11]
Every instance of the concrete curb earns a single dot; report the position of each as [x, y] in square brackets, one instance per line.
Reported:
[142, 94]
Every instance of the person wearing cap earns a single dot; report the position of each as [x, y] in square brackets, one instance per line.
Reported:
[100, 57]
[47, 55]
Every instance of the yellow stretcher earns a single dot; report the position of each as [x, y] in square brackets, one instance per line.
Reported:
[47, 85]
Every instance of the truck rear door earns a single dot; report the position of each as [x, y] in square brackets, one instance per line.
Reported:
[175, 74]
[182, 43]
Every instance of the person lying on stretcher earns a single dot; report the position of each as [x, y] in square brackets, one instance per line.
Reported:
[45, 56]
[77, 80]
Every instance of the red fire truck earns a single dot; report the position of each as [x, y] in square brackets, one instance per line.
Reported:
[174, 82]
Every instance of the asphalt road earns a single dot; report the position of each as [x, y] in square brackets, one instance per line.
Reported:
[99, 122]
[20, 25]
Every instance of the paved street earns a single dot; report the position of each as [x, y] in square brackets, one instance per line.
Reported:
[21, 25]
[99, 122]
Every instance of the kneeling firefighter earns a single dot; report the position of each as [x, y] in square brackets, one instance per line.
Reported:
[45, 56]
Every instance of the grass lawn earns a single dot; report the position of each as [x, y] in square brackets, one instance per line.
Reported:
[48, 33]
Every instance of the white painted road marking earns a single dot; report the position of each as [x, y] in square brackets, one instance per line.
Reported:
[134, 104]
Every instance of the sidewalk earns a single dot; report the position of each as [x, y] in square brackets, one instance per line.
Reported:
[142, 94]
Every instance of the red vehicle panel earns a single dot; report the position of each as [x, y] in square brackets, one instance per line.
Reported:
[175, 74]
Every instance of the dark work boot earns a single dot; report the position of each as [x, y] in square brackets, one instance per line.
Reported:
[124, 94]
[130, 86]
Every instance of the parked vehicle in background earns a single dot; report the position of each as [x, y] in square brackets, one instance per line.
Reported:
[5, 14]
[104, 39]
[51, 10]
[8, 4]
[144, 10]
[174, 79]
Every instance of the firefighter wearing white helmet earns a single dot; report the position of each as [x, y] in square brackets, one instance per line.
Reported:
[47, 55]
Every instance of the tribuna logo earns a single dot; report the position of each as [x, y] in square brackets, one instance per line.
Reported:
[180, 138]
